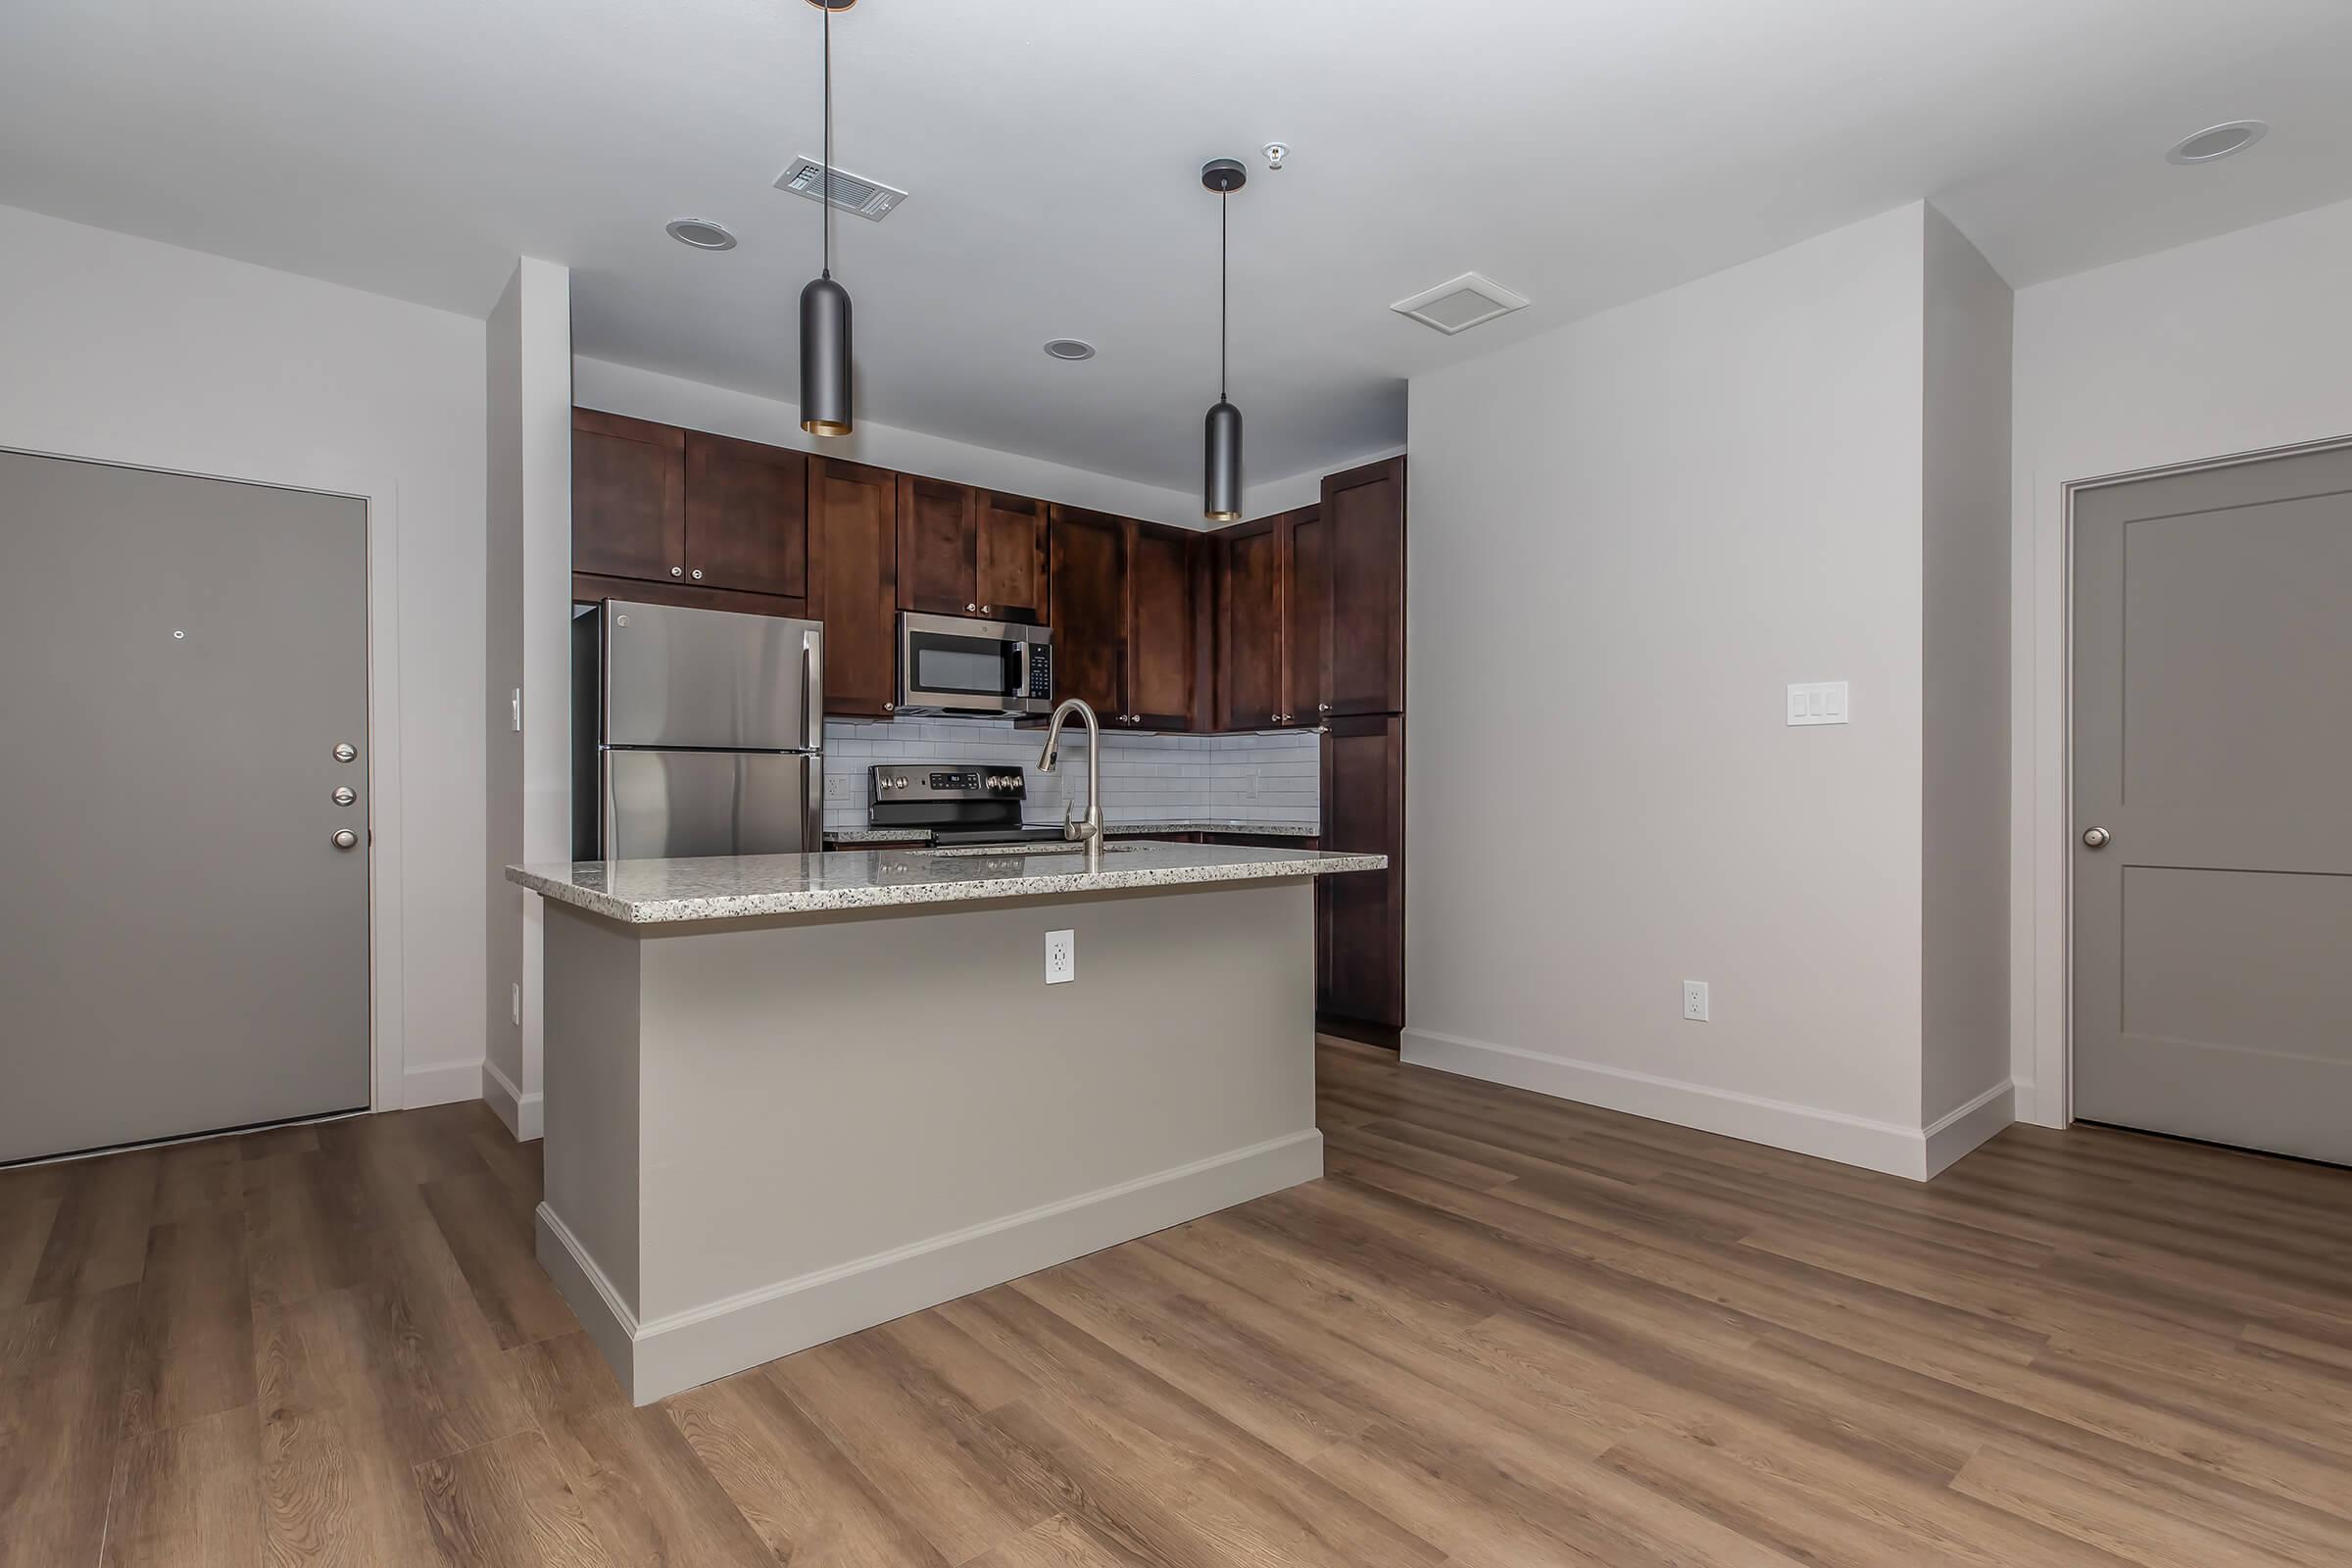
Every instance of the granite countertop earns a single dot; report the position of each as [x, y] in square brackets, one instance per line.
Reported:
[1117, 830]
[732, 887]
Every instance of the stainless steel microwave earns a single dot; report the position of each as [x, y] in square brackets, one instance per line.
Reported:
[952, 664]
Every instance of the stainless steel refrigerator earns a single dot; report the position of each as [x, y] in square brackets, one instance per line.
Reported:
[695, 732]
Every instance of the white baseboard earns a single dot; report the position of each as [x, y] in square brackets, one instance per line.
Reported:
[525, 1115]
[439, 1084]
[1952, 1136]
[1879, 1146]
[685, 1348]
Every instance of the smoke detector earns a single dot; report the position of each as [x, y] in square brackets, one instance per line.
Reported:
[852, 193]
[1460, 304]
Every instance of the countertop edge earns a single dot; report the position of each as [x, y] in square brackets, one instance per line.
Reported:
[732, 907]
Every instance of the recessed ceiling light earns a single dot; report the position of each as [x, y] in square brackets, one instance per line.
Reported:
[2217, 141]
[701, 233]
[1070, 348]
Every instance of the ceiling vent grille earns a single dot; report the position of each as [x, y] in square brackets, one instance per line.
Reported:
[852, 193]
[1460, 304]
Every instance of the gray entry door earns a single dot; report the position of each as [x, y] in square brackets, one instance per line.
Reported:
[182, 945]
[2212, 747]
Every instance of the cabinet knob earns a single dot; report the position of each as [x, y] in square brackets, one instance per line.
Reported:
[988, 610]
[1322, 708]
[1275, 718]
[698, 574]
[890, 707]
[970, 608]
[677, 571]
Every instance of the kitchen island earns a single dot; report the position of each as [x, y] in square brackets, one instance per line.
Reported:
[790, 1097]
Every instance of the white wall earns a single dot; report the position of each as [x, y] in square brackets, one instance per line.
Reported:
[529, 649]
[127, 351]
[1627, 536]
[1964, 1023]
[2230, 345]
[649, 395]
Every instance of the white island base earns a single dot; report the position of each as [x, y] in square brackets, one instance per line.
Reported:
[766, 1133]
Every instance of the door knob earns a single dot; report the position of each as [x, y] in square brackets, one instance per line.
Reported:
[2095, 838]
[344, 752]
[345, 838]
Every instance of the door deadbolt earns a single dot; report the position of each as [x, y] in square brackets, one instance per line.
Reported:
[2095, 838]
[344, 795]
[345, 750]
[345, 838]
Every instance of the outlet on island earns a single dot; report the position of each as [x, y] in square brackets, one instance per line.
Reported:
[1061, 958]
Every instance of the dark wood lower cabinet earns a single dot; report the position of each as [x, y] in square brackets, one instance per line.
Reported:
[1359, 988]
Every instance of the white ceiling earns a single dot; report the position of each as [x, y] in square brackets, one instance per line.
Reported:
[1582, 152]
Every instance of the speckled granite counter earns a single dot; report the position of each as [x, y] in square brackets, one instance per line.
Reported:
[1119, 830]
[734, 887]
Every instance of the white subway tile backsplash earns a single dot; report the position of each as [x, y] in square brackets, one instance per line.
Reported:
[1273, 777]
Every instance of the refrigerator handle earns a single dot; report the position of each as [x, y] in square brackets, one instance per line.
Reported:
[812, 685]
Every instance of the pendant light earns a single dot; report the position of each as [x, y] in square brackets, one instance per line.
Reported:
[1221, 465]
[825, 304]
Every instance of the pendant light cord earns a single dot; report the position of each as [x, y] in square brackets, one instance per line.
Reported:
[827, 8]
[1224, 333]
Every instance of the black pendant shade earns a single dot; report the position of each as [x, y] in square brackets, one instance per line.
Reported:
[1221, 465]
[826, 357]
[1221, 454]
[825, 304]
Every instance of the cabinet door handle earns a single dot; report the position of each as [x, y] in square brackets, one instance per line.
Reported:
[986, 609]
[970, 608]
[890, 707]
[677, 571]
[1275, 718]
[698, 574]
[1322, 708]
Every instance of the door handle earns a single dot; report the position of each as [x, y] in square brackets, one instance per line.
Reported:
[2095, 838]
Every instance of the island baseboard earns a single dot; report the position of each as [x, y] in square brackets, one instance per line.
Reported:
[682, 1350]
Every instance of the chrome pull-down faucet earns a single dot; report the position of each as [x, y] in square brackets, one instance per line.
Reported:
[1087, 832]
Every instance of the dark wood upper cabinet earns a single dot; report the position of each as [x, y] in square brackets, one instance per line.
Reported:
[853, 582]
[1306, 612]
[1251, 622]
[1160, 627]
[1087, 608]
[628, 496]
[747, 516]
[938, 540]
[1363, 514]
[1013, 557]
[1361, 958]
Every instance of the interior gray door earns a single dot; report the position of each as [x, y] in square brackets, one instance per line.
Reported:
[2212, 770]
[183, 946]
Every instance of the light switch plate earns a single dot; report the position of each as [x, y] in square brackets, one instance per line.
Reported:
[837, 787]
[1819, 701]
[1061, 958]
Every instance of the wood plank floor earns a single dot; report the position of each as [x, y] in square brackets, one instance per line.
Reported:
[1505, 1329]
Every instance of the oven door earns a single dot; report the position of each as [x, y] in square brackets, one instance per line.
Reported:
[948, 665]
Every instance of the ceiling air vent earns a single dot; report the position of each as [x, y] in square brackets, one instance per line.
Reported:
[1459, 304]
[852, 193]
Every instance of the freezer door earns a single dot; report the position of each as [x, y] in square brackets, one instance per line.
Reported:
[660, 804]
[711, 678]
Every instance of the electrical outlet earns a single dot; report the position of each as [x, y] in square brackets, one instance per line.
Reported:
[1694, 1000]
[838, 786]
[1061, 958]
[516, 1005]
